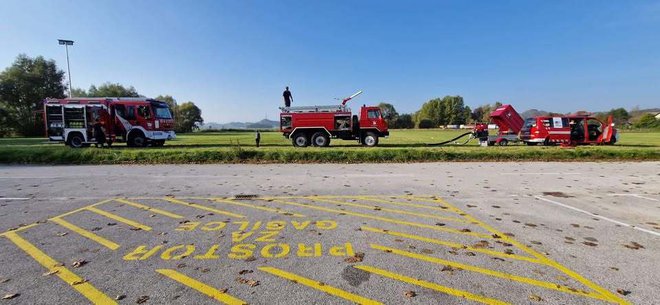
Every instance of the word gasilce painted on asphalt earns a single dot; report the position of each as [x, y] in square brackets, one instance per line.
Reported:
[275, 235]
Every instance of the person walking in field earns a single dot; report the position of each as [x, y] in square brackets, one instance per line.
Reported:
[257, 137]
[288, 98]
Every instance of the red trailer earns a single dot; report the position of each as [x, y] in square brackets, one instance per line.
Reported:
[318, 124]
[136, 121]
[509, 123]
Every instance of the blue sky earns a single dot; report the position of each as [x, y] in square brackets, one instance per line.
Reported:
[233, 58]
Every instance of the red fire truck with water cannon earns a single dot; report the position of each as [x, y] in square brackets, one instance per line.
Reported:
[137, 121]
[316, 125]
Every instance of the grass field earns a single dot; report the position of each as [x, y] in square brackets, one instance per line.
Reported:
[401, 146]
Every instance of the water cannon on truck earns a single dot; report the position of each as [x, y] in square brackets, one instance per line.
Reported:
[316, 125]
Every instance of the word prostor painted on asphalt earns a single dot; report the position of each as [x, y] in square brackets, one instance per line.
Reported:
[263, 236]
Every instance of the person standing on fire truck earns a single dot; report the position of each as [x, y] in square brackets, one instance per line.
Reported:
[288, 98]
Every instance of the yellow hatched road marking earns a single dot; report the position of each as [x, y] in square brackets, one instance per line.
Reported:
[119, 218]
[148, 208]
[407, 204]
[454, 219]
[105, 242]
[257, 207]
[503, 275]
[319, 286]
[20, 228]
[433, 286]
[201, 287]
[86, 289]
[385, 219]
[450, 244]
[202, 207]
[608, 296]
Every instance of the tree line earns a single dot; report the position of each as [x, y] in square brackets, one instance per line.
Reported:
[28, 81]
[449, 110]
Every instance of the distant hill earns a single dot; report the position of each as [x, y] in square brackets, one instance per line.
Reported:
[533, 113]
[263, 124]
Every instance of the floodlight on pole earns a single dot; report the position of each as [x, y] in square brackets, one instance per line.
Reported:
[66, 44]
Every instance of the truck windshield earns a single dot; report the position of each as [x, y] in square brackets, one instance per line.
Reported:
[161, 110]
[529, 123]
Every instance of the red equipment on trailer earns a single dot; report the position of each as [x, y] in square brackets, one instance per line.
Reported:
[509, 123]
[137, 121]
[318, 124]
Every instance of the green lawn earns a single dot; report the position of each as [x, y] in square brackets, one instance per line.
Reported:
[401, 146]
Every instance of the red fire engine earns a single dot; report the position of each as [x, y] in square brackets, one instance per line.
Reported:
[318, 124]
[575, 129]
[136, 121]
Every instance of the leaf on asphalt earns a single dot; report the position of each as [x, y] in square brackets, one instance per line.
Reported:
[79, 263]
[62, 234]
[410, 294]
[79, 282]
[143, 299]
[358, 257]
[135, 229]
[481, 244]
[245, 272]
[470, 253]
[530, 224]
[591, 239]
[633, 245]
[623, 291]
[120, 297]
[51, 272]
[439, 224]
[508, 251]
[251, 283]
[588, 243]
[536, 298]
[250, 259]
[496, 236]
[4, 280]
[427, 251]
[112, 224]
[10, 296]
[466, 230]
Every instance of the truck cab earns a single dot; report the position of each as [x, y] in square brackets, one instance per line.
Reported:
[371, 125]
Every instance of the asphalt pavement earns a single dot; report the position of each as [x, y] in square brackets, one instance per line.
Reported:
[423, 233]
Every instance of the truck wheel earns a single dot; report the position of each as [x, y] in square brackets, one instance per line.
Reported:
[531, 143]
[158, 143]
[547, 142]
[320, 139]
[137, 139]
[370, 139]
[300, 139]
[504, 142]
[76, 140]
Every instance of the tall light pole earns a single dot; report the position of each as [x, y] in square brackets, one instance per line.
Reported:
[66, 44]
